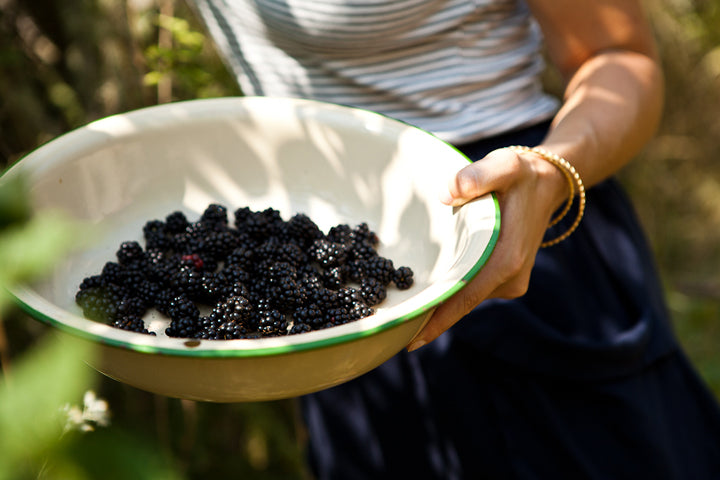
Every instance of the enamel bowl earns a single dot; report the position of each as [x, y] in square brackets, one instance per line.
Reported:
[334, 163]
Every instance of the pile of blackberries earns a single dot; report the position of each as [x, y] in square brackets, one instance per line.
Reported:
[262, 276]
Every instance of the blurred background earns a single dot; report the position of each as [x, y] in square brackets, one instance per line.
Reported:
[64, 64]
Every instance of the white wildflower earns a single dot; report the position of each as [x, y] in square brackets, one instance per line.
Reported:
[95, 413]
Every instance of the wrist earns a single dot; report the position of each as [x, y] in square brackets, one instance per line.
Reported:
[551, 189]
[554, 182]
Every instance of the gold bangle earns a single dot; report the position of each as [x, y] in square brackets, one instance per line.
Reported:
[574, 181]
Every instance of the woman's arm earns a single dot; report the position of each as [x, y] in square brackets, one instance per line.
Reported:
[612, 105]
[613, 98]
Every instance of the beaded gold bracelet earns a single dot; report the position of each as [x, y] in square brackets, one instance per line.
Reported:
[574, 182]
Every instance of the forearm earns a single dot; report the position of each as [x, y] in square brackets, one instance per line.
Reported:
[612, 107]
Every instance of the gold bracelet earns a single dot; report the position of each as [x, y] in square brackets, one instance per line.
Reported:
[574, 181]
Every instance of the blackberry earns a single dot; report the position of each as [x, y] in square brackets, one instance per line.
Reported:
[160, 265]
[190, 241]
[272, 323]
[146, 290]
[235, 309]
[132, 276]
[354, 270]
[239, 289]
[184, 316]
[403, 278]
[232, 274]
[300, 328]
[310, 315]
[93, 281]
[232, 331]
[129, 253]
[187, 280]
[153, 227]
[181, 307]
[229, 320]
[280, 270]
[155, 236]
[348, 297]
[209, 265]
[218, 245]
[163, 300]
[241, 257]
[286, 294]
[211, 289]
[215, 215]
[363, 235]
[112, 272]
[311, 282]
[302, 230]
[372, 291]
[379, 268]
[131, 306]
[182, 327]
[336, 316]
[258, 224]
[193, 260]
[341, 233]
[208, 327]
[322, 297]
[274, 250]
[259, 276]
[176, 222]
[327, 253]
[99, 303]
[133, 323]
[361, 251]
[307, 270]
[242, 215]
[359, 310]
[292, 254]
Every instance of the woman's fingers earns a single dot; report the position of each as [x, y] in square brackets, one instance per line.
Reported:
[520, 182]
[457, 306]
[505, 275]
[480, 178]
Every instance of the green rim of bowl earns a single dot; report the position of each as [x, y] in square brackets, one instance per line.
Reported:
[183, 349]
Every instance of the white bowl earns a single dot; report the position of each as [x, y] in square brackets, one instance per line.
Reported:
[335, 164]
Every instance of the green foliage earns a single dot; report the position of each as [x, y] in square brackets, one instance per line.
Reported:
[114, 454]
[28, 251]
[40, 439]
[14, 205]
[30, 404]
[29, 244]
[699, 330]
[177, 62]
[675, 183]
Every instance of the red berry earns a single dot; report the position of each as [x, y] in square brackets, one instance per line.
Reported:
[195, 259]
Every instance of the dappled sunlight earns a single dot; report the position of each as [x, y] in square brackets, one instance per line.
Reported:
[334, 164]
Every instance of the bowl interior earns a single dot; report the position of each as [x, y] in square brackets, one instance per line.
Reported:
[335, 164]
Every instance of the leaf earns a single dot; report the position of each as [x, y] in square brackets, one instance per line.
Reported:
[153, 78]
[14, 204]
[46, 379]
[113, 454]
[30, 250]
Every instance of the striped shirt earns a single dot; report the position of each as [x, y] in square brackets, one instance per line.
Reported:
[462, 69]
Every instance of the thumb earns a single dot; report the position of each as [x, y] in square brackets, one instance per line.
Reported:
[476, 179]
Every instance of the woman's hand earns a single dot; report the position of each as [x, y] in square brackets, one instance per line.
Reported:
[529, 190]
[612, 105]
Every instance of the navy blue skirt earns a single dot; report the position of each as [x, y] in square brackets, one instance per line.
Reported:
[580, 378]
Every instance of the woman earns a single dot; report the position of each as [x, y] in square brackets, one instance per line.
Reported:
[564, 364]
